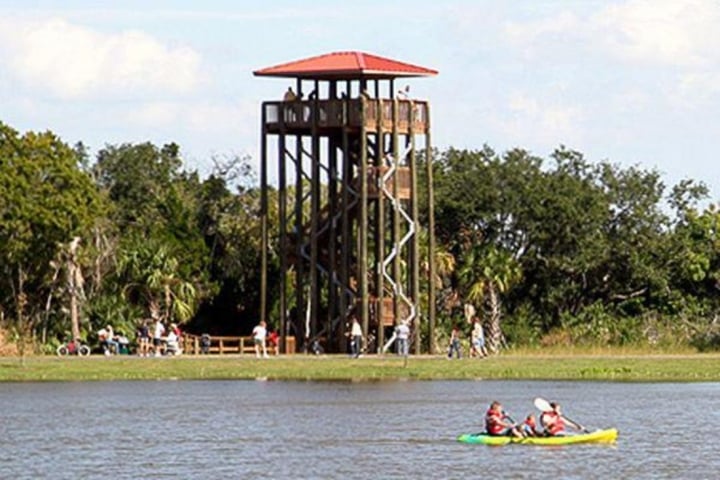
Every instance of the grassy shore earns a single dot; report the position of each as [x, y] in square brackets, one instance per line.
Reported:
[519, 366]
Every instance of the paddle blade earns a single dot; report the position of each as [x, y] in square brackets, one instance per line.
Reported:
[542, 405]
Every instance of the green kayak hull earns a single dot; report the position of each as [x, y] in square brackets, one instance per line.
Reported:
[600, 436]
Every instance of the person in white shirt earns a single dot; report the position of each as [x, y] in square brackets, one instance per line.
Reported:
[108, 341]
[356, 336]
[403, 334]
[172, 342]
[478, 340]
[259, 335]
[158, 332]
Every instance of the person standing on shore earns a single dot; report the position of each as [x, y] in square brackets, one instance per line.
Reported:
[356, 338]
[478, 340]
[158, 332]
[143, 338]
[454, 343]
[259, 337]
[403, 335]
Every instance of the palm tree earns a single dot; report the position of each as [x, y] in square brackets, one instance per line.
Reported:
[488, 272]
[152, 278]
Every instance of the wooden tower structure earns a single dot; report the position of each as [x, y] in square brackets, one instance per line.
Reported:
[346, 147]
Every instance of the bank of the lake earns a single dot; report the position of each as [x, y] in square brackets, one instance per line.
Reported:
[623, 368]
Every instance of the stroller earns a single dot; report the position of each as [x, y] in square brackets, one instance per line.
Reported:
[204, 343]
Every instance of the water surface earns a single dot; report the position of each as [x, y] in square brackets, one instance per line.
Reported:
[404, 429]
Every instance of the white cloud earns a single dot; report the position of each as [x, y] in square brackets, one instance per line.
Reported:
[71, 61]
[541, 122]
[153, 114]
[672, 47]
[202, 118]
[696, 88]
[679, 33]
[563, 23]
[669, 32]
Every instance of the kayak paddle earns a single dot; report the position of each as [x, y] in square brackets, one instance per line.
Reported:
[544, 406]
[509, 417]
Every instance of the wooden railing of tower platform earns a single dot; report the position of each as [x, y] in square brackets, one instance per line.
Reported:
[333, 113]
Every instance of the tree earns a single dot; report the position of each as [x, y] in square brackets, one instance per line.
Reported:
[486, 273]
[230, 223]
[483, 205]
[150, 276]
[695, 262]
[582, 234]
[162, 256]
[45, 202]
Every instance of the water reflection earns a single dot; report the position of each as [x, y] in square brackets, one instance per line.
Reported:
[204, 429]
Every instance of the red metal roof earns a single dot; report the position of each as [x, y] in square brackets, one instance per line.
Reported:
[345, 66]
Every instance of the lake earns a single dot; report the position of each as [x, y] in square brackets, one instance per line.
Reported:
[345, 430]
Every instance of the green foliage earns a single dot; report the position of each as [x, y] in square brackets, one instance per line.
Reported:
[523, 327]
[566, 250]
[150, 275]
[487, 268]
[115, 310]
[162, 256]
[45, 201]
[595, 243]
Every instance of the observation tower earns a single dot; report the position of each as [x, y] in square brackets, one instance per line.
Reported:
[352, 152]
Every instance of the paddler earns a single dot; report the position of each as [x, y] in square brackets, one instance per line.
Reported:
[498, 423]
[555, 423]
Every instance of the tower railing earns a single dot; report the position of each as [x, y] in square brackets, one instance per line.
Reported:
[336, 113]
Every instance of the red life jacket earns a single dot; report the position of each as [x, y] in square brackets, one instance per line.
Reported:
[493, 422]
[556, 426]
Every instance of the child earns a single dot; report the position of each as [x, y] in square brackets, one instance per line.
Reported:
[478, 340]
[454, 342]
[529, 427]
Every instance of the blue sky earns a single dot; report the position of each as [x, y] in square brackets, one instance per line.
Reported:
[629, 81]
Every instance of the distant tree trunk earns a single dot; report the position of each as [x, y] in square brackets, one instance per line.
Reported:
[75, 284]
[494, 336]
[22, 328]
[48, 302]
[74, 321]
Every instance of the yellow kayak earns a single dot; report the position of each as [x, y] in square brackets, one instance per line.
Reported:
[599, 436]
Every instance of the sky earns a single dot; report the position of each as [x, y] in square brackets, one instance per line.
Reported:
[633, 82]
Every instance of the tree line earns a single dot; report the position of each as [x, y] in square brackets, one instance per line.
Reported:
[558, 250]
[570, 251]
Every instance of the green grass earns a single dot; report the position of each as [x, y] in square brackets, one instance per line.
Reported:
[526, 366]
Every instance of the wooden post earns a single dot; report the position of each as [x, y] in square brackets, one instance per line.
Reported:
[431, 232]
[263, 214]
[345, 235]
[396, 218]
[314, 227]
[299, 230]
[282, 214]
[363, 225]
[414, 281]
[379, 223]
